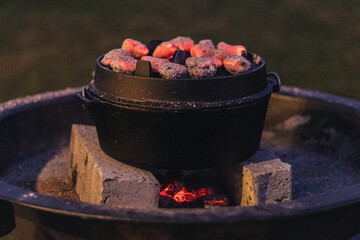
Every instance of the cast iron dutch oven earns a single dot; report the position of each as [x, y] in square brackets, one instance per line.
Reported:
[151, 122]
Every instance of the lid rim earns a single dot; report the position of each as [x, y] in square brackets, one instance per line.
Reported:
[139, 88]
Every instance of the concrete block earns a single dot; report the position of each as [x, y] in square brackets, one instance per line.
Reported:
[101, 179]
[262, 179]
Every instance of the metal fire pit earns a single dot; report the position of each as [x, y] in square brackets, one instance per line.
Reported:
[30, 125]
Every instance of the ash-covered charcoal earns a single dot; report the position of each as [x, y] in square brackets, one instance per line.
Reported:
[156, 63]
[216, 201]
[202, 67]
[202, 61]
[165, 50]
[113, 54]
[124, 64]
[183, 43]
[173, 71]
[236, 64]
[221, 54]
[221, 62]
[208, 43]
[233, 49]
[215, 60]
[203, 48]
[136, 48]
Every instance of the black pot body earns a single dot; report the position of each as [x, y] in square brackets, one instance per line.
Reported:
[180, 139]
[178, 124]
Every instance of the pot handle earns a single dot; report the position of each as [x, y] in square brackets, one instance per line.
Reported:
[275, 80]
[85, 100]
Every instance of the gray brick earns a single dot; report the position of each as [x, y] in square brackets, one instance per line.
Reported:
[101, 179]
[262, 179]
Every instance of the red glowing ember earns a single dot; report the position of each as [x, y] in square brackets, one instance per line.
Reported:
[165, 50]
[171, 59]
[221, 54]
[204, 196]
[203, 48]
[113, 54]
[183, 43]
[136, 48]
[233, 49]
[215, 60]
[220, 201]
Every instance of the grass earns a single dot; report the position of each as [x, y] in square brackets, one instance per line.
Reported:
[48, 45]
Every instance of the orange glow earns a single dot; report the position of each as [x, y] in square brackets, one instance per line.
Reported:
[221, 54]
[181, 194]
[185, 196]
[233, 49]
[113, 55]
[202, 192]
[200, 50]
[124, 64]
[217, 62]
[238, 50]
[218, 203]
[136, 48]
[204, 48]
[165, 50]
[196, 51]
[183, 43]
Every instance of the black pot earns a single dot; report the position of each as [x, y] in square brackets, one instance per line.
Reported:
[179, 124]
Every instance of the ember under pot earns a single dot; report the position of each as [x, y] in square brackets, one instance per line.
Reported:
[152, 122]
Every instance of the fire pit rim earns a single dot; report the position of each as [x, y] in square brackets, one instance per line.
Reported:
[321, 202]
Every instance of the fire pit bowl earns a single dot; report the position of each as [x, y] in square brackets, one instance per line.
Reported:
[37, 127]
[179, 123]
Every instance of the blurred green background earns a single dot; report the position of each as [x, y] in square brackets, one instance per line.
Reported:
[47, 45]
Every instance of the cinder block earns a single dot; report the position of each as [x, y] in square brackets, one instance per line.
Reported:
[101, 179]
[262, 179]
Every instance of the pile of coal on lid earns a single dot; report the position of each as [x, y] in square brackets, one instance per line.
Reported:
[181, 58]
